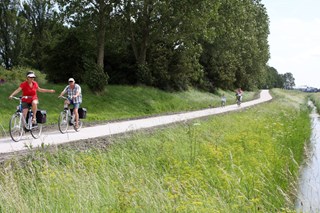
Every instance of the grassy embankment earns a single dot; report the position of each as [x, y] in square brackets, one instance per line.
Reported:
[118, 102]
[244, 161]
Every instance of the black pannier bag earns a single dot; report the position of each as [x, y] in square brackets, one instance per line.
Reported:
[82, 113]
[41, 116]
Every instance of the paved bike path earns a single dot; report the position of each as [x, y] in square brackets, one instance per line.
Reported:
[55, 137]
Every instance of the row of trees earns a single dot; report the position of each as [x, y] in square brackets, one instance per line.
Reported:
[167, 44]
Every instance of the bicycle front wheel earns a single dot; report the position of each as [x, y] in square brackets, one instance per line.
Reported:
[63, 122]
[15, 127]
[36, 131]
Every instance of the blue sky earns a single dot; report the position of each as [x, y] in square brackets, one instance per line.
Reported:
[295, 39]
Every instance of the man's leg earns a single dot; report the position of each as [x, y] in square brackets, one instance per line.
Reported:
[76, 113]
[76, 116]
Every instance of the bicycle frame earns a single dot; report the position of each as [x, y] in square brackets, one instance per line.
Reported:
[26, 125]
[19, 124]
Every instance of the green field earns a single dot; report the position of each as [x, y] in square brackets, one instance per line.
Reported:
[244, 161]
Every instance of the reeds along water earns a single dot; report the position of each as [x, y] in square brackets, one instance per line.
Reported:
[308, 199]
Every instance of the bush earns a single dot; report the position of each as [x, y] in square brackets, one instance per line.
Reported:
[18, 75]
[95, 78]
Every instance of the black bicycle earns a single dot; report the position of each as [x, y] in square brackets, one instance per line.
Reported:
[67, 118]
[19, 125]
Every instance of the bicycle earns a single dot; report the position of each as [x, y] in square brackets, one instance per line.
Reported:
[67, 118]
[19, 124]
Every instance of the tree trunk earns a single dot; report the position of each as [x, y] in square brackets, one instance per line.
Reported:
[101, 33]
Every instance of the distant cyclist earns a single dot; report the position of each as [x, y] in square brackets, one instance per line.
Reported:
[239, 94]
[29, 94]
[223, 100]
[73, 91]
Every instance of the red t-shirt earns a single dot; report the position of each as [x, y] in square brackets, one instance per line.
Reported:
[29, 91]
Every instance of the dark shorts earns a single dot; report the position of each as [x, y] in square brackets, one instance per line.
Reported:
[75, 105]
[26, 105]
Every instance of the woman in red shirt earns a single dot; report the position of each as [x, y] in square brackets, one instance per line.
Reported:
[29, 92]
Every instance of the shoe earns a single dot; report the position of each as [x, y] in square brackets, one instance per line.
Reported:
[34, 121]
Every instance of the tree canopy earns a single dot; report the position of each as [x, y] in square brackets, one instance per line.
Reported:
[167, 44]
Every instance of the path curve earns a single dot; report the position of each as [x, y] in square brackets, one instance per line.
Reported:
[55, 137]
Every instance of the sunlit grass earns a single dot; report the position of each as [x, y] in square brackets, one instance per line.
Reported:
[245, 161]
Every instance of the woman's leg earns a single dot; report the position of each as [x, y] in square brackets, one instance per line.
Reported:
[34, 110]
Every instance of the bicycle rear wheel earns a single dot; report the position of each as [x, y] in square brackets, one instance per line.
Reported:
[63, 122]
[36, 131]
[15, 127]
[79, 126]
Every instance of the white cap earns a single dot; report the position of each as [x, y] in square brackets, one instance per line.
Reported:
[71, 79]
[31, 75]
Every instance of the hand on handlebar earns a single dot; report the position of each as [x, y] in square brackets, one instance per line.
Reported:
[14, 97]
[63, 97]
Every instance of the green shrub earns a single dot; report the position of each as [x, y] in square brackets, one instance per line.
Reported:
[18, 75]
[96, 79]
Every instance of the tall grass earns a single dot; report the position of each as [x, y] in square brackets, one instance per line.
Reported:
[238, 162]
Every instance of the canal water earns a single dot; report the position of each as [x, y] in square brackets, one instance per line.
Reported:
[308, 199]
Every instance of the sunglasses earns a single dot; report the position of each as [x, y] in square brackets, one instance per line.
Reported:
[70, 81]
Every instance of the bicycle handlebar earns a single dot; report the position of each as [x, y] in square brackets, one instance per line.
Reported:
[63, 97]
[16, 98]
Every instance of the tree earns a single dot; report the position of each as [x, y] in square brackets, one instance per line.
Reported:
[65, 60]
[10, 33]
[40, 21]
[171, 27]
[95, 14]
[288, 80]
[274, 79]
[238, 54]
